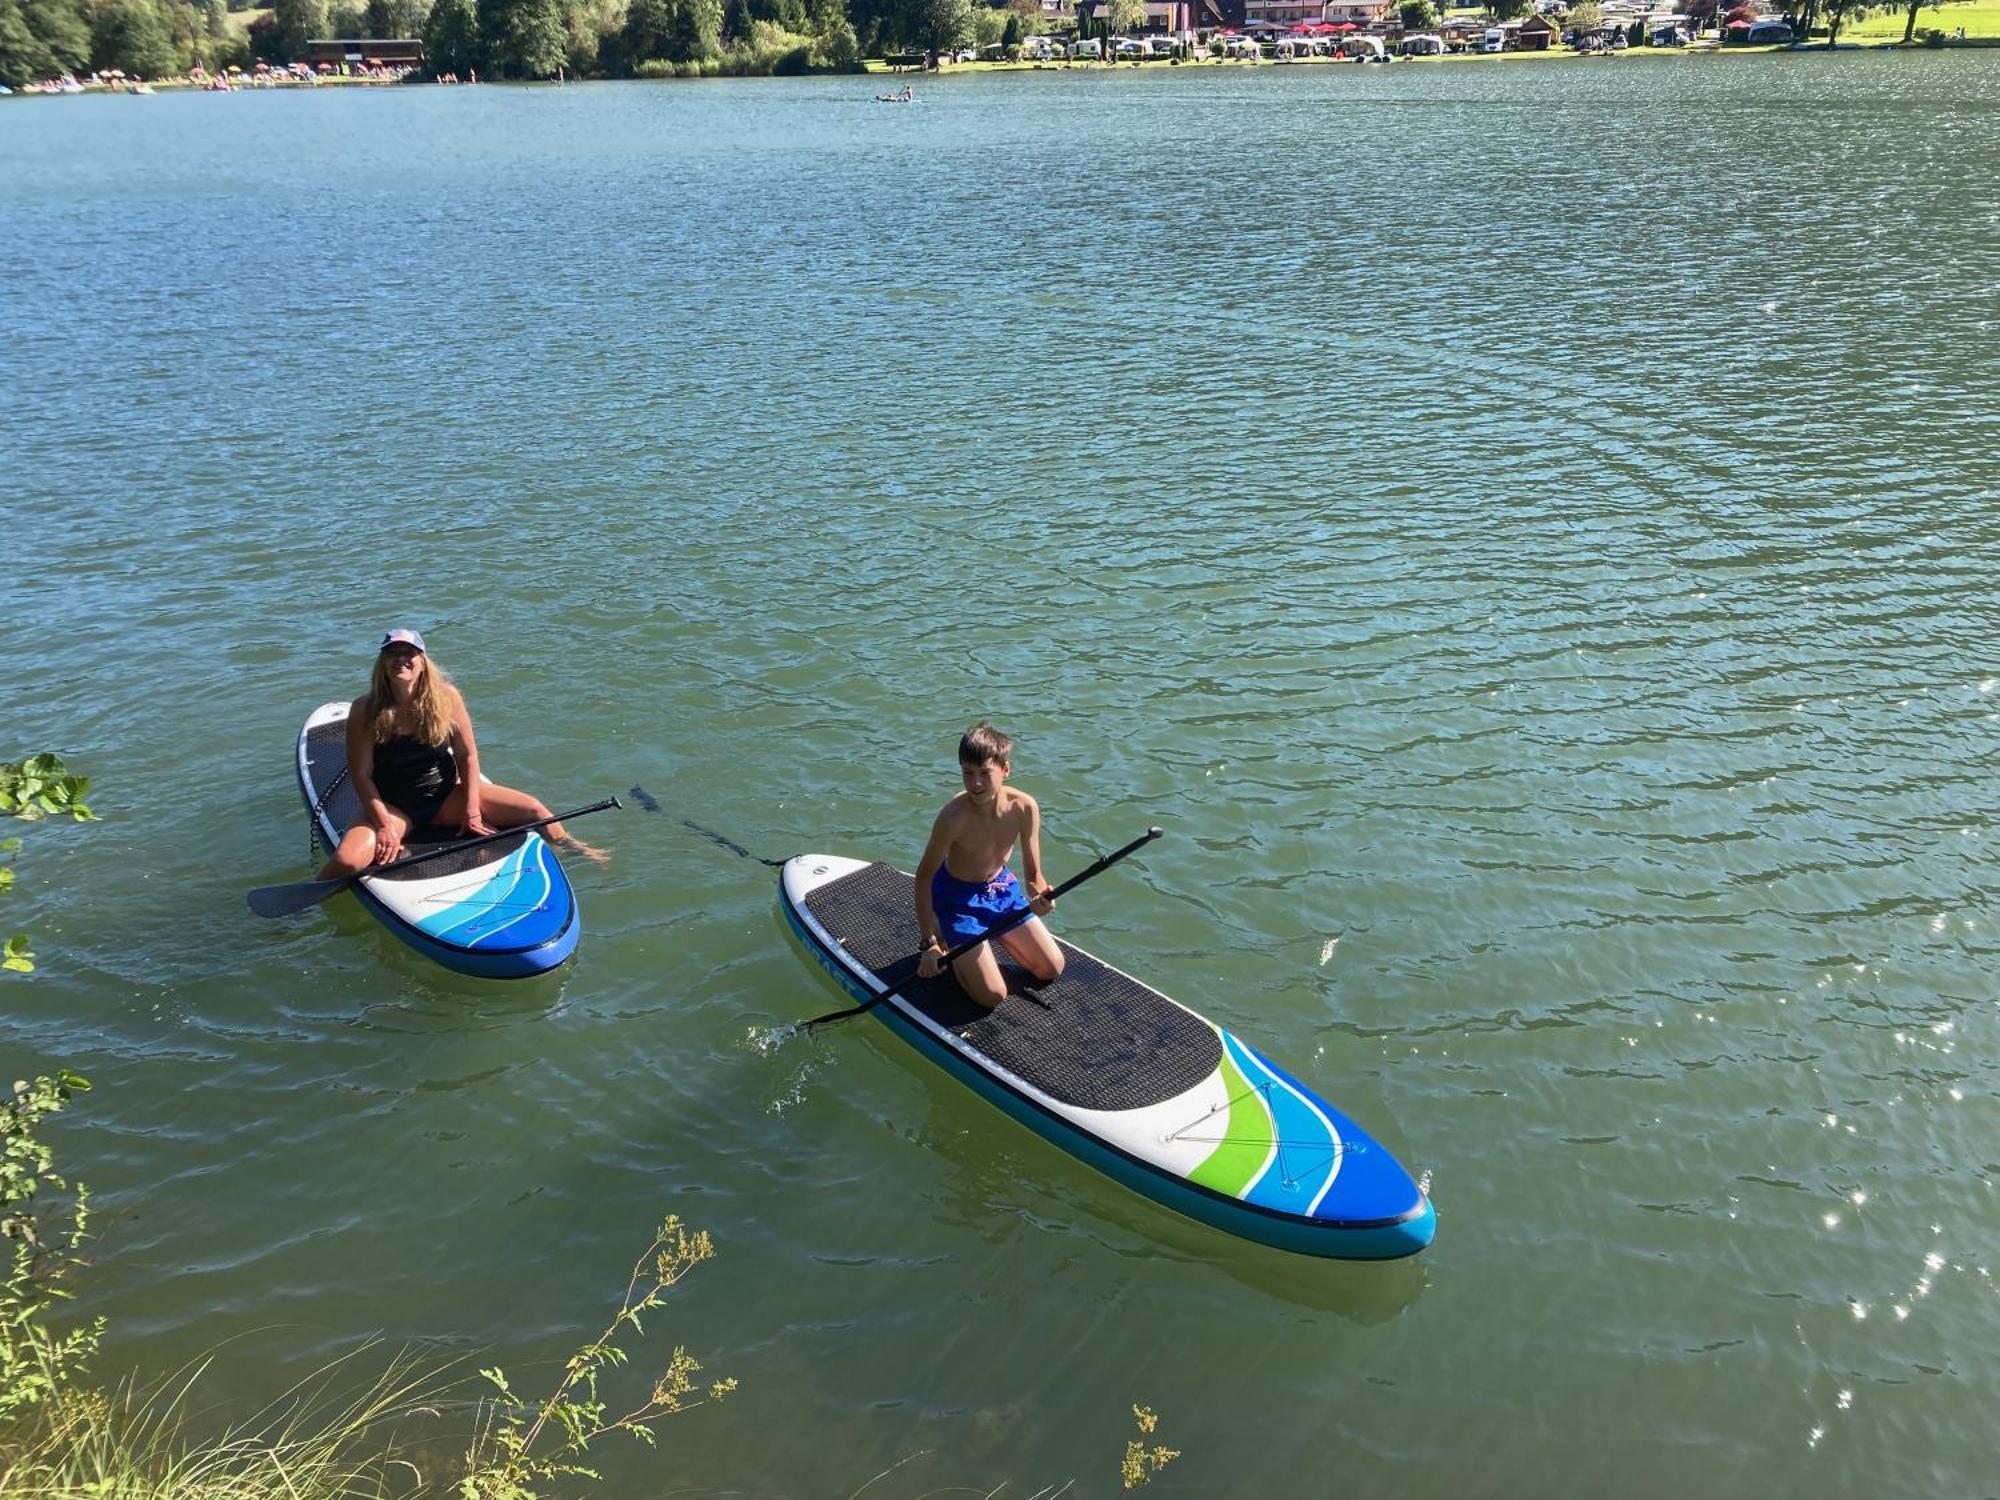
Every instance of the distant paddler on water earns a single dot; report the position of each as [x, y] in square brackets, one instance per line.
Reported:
[906, 95]
[414, 766]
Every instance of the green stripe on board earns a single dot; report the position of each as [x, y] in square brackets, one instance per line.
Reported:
[1235, 1162]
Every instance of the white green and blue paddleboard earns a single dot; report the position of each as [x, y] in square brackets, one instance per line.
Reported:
[502, 910]
[1156, 1096]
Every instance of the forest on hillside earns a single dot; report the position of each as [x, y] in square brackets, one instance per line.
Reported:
[526, 39]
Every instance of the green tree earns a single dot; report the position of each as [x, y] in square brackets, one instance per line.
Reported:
[1910, 21]
[937, 25]
[1836, 16]
[63, 28]
[1124, 16]
[593, 34]
[523, 38]
[451, 37]
[24, 57]
[695, 31]
[645, 33]
[347, 20]
[878, 24]
[1585, 16]
[133, 35]
[1508, 10]
[736, 19]
[1417, 15]
[393, 18]
[296, 22]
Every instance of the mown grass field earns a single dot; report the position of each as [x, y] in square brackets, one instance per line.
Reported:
[1980, 18]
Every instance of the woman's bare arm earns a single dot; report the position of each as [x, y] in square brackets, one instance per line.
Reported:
[465, 750]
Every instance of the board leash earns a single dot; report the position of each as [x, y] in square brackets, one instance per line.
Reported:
[312, 820]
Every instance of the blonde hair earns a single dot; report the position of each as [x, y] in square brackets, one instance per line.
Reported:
[430, 704]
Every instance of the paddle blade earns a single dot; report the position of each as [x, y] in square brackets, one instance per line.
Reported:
[284, 900]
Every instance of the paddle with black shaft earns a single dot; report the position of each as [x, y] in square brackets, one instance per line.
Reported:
[646, 800]
[999, 927]
[284, 900]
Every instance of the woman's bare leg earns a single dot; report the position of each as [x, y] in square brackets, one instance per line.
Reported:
[504, 807]
[361, 848]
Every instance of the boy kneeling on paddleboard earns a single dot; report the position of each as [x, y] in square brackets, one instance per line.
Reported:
[964, 888]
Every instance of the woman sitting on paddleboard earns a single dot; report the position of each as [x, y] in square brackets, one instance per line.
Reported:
[414, 764]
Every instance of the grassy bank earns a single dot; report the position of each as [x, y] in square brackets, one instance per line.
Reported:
[1979, 18]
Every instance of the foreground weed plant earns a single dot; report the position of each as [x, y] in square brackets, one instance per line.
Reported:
[43, 1247]
[1142, 1463]
[523, 1446]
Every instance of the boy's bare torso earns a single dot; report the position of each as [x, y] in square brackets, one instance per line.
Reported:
[981, 842]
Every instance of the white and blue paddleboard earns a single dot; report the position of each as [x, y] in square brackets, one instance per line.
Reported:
[503, 910]
[1157, 1097]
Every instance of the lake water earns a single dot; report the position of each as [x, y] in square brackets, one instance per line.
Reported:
[1532, 523]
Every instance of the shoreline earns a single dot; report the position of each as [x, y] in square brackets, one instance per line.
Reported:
[876, 67]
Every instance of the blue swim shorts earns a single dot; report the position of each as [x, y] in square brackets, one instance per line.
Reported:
[968, 909]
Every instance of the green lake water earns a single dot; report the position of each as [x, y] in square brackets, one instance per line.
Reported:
[1527, 532]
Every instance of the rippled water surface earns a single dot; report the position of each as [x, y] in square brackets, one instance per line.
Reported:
[1526, 531]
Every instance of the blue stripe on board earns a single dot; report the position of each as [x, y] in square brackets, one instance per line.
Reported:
[512, 909]
[528, 915]
[498, 885]
[1308, 1153]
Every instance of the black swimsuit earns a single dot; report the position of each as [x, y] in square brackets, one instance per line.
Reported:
[414, 778]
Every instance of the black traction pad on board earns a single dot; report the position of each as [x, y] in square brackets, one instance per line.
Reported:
[1093, 1038]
